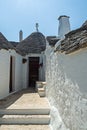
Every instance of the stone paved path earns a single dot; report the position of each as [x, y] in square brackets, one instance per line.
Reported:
[25, 99]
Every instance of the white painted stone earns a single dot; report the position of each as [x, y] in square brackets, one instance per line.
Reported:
[25, 119]
[21, 71]
[66, 87]
[64, 26]
[32, 111]
[5, 72]
[41, 92]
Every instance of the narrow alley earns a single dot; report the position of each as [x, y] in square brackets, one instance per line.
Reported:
[24, 110]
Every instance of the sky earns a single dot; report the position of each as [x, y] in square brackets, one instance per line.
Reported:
[16, 15]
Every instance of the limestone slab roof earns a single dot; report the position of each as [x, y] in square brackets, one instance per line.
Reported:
[14, 43]
[35, 43]
[4, 43]
[52, 40]
[74, 40]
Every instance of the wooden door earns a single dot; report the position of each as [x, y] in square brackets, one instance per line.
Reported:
[12, 74]
[33, 70]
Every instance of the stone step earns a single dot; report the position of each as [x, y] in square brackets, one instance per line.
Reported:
[40, 84]
[40, 111]
[25, 127]
[41, 92]
[25, 119]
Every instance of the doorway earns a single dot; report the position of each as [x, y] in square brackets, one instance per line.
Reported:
[33, 71]
[12, 74]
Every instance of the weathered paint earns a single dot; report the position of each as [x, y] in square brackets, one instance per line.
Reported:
[66, 77]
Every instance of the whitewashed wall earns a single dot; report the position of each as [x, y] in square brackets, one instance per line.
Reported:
[25, 74]
[18, 72]
[21, 71]
[42, 68]
[66, 77]
[26, 69]
[5, 72]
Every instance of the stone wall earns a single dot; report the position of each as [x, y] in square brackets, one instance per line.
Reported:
[66, 78]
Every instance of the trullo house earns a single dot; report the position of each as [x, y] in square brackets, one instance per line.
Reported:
[59, 60]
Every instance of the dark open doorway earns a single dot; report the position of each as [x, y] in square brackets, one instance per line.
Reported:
[11, 77]
[33, 70]
[10, 83]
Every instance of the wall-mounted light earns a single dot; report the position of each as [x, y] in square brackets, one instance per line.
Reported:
[24, 60]
[41, 64]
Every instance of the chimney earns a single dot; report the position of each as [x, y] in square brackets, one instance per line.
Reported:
[64, 25]
[20, 35]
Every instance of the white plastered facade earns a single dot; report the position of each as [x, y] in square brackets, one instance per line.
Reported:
[20, 71]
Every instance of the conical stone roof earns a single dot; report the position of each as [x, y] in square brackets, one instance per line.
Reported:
[35, 43]
[85, 23]
[74, 40]
[4, 43]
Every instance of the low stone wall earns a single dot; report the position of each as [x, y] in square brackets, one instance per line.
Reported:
[66, 89]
